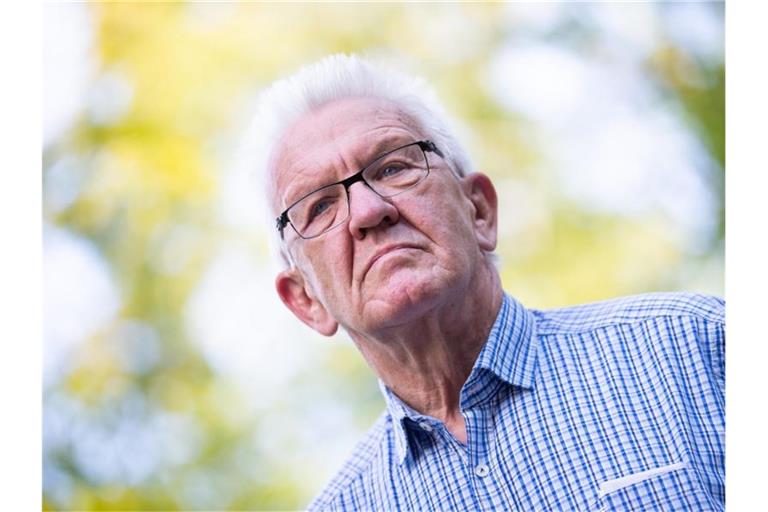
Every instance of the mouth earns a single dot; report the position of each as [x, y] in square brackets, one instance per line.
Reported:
[384, 251]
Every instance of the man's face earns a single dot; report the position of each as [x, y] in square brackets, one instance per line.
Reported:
[393, 259]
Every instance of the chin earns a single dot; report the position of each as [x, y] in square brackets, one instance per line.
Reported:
[404, 298]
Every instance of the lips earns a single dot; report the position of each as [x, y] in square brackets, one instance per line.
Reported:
[386, 250]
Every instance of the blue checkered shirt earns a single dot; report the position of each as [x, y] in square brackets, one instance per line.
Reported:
[616, 405]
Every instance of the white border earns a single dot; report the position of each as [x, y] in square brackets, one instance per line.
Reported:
[746, 256]
[21, 274]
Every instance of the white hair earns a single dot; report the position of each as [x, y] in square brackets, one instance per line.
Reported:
[333, 78]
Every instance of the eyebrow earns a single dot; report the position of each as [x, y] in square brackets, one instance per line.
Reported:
[384, 146]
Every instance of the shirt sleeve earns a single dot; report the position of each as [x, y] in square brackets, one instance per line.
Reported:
[712, 336]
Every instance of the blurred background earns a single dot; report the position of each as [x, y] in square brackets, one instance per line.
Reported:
[173, 378]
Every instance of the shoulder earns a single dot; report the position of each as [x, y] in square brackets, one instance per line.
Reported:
[631, 309]
[348, 485]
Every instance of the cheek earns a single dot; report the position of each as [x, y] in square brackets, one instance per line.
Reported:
[442, 215]
[327, 262]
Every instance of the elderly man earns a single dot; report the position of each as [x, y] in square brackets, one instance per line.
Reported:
[385, 232]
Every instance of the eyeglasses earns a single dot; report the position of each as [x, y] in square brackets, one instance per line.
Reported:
[388, 175]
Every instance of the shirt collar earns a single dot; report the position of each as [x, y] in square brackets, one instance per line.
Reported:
[509, 354]
[399, 412]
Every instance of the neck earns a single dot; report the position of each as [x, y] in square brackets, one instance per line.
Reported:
[427, 361]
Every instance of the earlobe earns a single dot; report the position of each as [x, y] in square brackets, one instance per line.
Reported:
[293, 291]
[482, 195]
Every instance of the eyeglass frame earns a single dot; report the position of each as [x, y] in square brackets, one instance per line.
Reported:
[425, 145]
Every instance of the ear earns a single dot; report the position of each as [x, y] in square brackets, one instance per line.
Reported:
[482, 194]
[294, 292]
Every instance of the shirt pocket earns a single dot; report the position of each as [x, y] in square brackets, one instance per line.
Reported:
[668, 488]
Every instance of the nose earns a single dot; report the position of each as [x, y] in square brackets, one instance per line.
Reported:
[368, 210]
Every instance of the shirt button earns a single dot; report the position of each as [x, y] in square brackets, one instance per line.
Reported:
[425, 426]
[482, 470]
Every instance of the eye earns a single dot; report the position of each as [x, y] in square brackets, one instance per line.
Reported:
[390, 170]
[319, 207]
